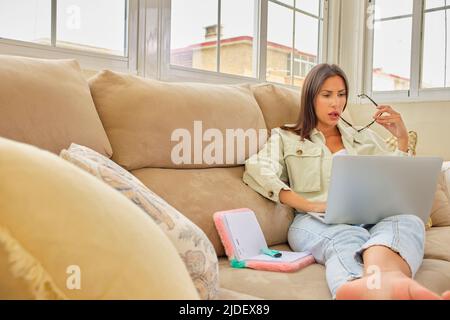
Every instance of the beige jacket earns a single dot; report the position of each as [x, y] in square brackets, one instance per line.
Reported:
[285, 162]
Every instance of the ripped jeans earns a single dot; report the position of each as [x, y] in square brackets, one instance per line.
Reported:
[340, 246]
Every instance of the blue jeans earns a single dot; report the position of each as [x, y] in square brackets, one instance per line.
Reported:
[340, 246]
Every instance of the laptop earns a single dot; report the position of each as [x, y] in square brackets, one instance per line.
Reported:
[367, 189]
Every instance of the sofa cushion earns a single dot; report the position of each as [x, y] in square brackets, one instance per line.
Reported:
[440, 211]
[199, 193]
[434, 275]
[47, 103]
[437, 244]
[190, 241]
[68, 235]
[306, 284]
[157, 124]
[11, 287]
[280, 105]
[226, 294]
[310, 283]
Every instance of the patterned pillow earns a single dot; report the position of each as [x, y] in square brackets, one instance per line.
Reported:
[192, 244]
[412, 143]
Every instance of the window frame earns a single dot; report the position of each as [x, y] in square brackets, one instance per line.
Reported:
[88, 60]
[167, 72]
[415, 93]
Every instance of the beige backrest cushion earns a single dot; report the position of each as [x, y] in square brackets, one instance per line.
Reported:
[140, 115]
[280, 105]
[54, 215]
[47, 103]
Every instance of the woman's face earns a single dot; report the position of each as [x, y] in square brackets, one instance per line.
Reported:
[330, 101]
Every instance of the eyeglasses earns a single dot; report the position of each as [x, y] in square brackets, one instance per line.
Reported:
[362, 95]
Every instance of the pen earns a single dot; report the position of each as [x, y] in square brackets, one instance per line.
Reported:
[272, 253]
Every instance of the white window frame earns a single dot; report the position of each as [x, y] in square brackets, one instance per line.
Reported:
[88, 60]
[415, 94]
[158, 44]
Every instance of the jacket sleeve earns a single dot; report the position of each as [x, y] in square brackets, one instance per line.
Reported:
[265, 172]
[382, 148]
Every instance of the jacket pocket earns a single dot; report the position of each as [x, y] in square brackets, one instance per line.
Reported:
[303, 167]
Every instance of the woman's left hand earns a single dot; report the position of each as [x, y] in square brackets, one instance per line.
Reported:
[393, 121]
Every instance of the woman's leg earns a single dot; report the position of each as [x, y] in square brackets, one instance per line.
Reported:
[391, 257]
[335, 246]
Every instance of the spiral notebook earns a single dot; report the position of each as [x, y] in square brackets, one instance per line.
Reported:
[243, 240]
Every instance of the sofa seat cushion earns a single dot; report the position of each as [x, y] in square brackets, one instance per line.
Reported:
[306, 284]
[154, 124]
[190, 241]
[47, 103]
[310, 283]
[199, 193]
[437, 244]
[226, 294]
[70, 236]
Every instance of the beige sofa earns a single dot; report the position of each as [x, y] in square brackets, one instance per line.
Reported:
[140, 116]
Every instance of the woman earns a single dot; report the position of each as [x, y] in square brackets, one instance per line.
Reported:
[362, 262]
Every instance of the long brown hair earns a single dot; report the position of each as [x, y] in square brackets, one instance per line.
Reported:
[307, 119]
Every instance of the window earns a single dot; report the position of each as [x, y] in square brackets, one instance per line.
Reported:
[436, 58]
[98, 26]
[392, 45]
[268, 40]
[197, 41]
[293, 36]
[26, 20]
[407, 50]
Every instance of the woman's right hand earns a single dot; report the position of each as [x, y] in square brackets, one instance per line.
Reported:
[320, 207]
[293, 200]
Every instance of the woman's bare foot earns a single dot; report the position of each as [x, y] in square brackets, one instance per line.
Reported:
[394, 285]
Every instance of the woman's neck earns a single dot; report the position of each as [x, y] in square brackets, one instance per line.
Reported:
[328, 131]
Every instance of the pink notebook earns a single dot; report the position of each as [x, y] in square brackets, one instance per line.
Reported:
[243, 240]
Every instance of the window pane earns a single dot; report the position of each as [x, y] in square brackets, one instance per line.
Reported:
[447, 71]
[236, 46]
[389, 8]
[194, 34]
[98, 26]
[429, 4]
[279, 43]
[26, 20]
[433, 70]
[306, 46]
[392, 55]
[310, 6]
[288, 2]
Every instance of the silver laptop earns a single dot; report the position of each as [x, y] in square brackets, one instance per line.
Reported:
[367, 189]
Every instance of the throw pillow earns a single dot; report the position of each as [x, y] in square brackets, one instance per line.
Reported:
[66, 235]
[47, 103]
[192, 244]
[440, 212]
